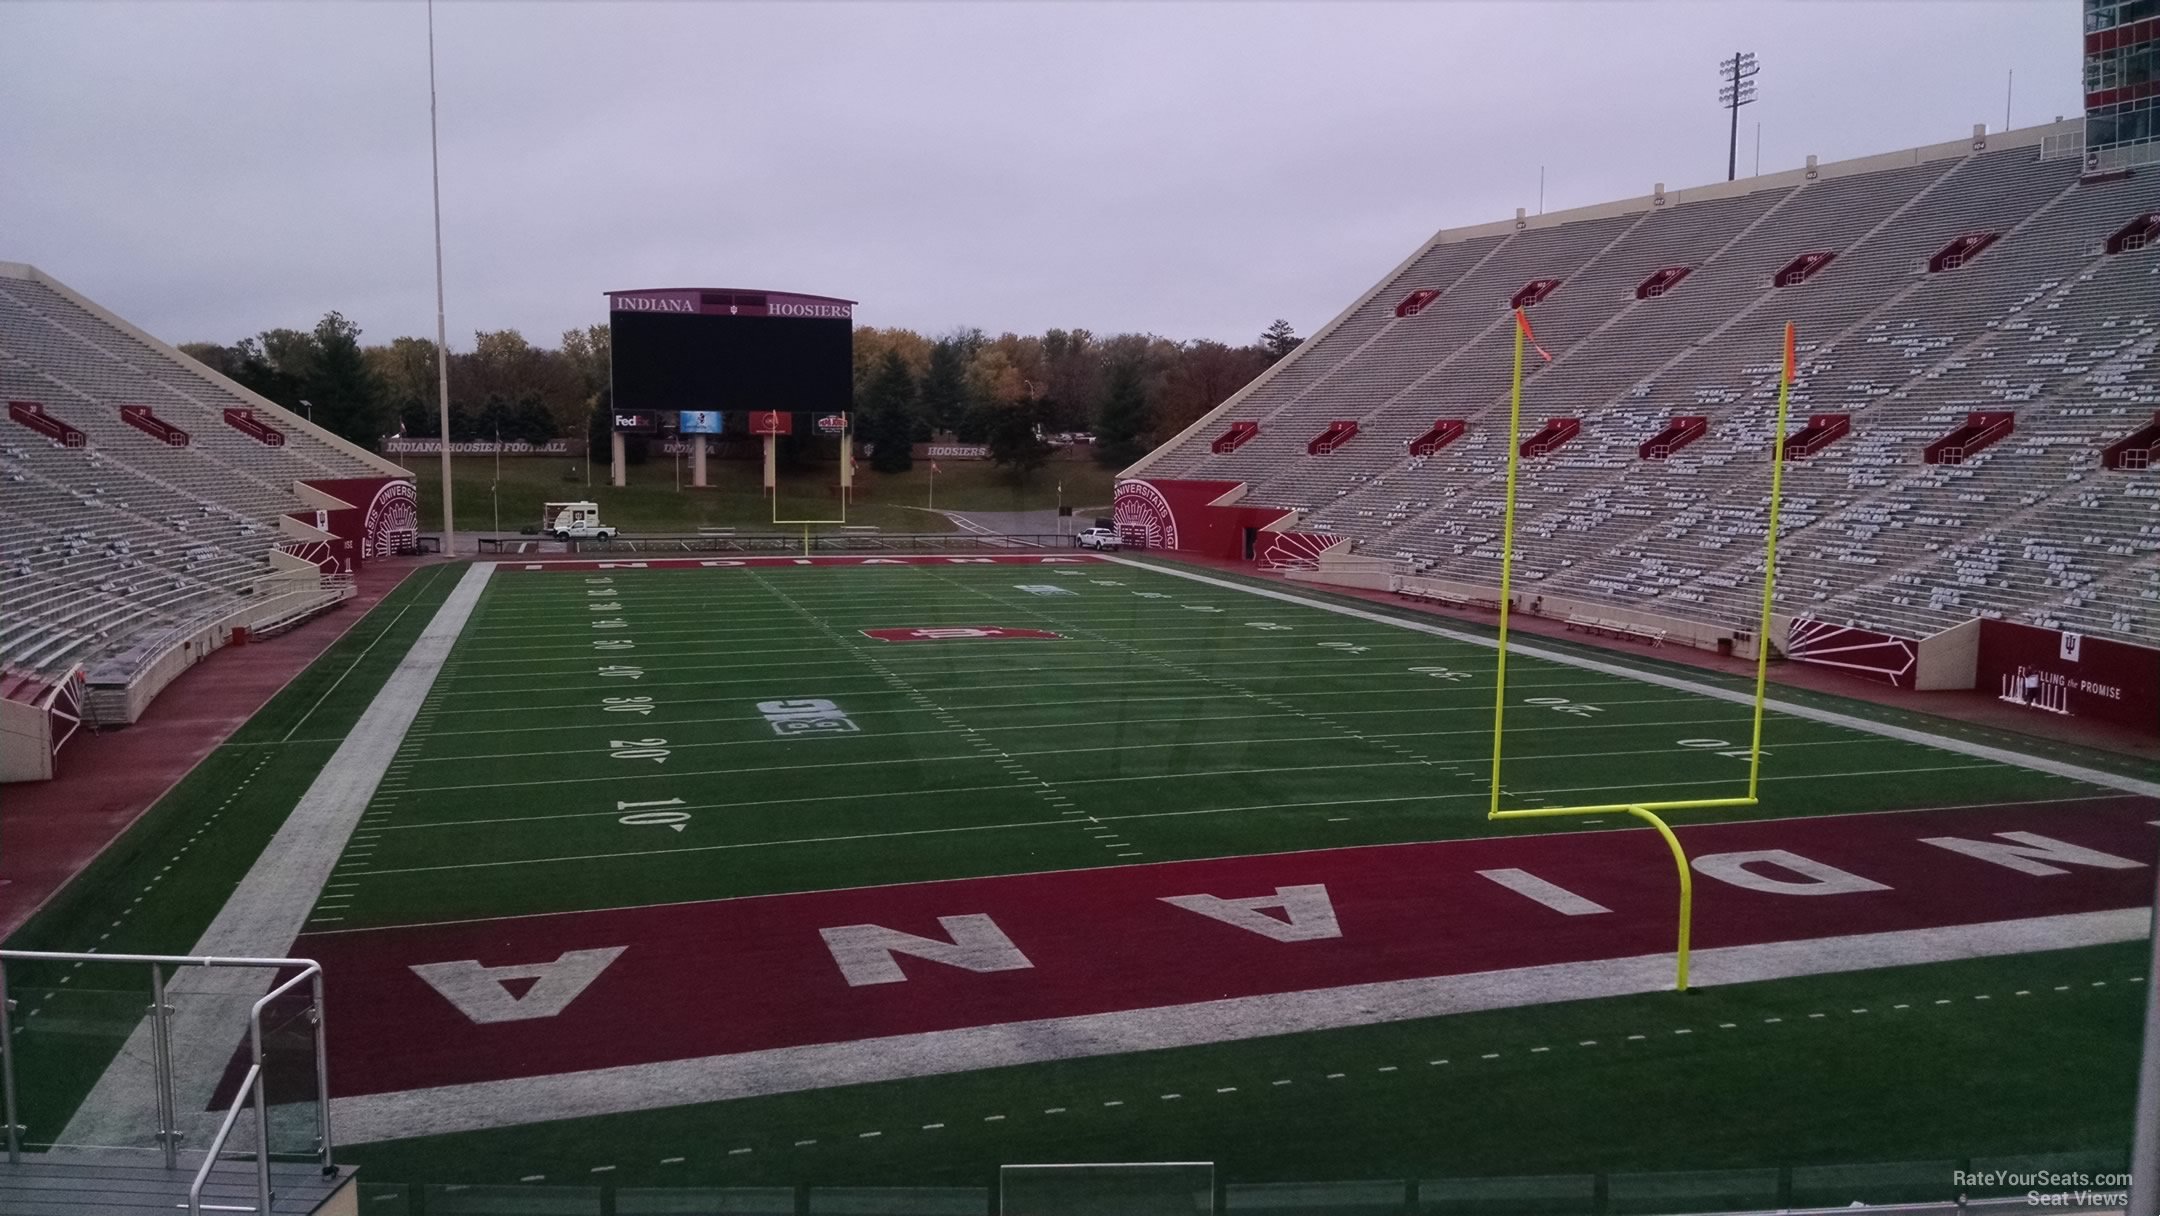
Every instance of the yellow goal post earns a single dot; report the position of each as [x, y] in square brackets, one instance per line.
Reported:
[1645, 809]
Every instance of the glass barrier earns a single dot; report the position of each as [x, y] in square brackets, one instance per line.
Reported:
[899, 1201]
[1182, 1188]
[1317, 1198]
[1548, 1195]
[1837, 1186]
[1675, 1191]
[532, 1200]
[703, 1201]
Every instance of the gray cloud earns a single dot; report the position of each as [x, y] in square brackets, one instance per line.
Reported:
[1189, 169]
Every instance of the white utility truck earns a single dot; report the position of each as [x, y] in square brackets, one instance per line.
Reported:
[574, 521]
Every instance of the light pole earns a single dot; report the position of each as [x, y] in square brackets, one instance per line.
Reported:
[309, 406]
[1738, 90]
[442, 332]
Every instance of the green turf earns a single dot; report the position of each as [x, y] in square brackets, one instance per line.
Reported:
[1951, 1060]
[1915, 712]
[1198, 721]
[894, 502]
[157, 888]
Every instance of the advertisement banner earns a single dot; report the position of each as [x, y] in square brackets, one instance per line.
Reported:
[771, 422]
[401, 446]
[2071, 675]
[700, 422]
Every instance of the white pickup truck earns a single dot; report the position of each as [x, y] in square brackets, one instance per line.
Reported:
[574, 521]
[1097, 538]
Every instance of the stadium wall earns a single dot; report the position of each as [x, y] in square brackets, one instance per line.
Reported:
[2106, 680]
[1197, 517]
[1948, 660]
[370, 517]
[26, 751]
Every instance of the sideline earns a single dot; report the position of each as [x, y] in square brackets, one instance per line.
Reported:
[266, 911]
[1980, 751]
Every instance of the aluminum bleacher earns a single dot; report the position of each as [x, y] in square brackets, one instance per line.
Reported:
[2042, 322]
[127, 536]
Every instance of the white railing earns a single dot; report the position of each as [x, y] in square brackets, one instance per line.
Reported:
[252, 1089]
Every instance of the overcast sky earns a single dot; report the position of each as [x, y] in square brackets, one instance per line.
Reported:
[211, 170]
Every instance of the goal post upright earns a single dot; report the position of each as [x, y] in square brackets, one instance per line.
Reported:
[847, 435]
[1769, 583]
[1507, 556]
[1645, 809]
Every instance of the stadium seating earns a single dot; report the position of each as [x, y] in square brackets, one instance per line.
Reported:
[2028, 314]
[127, 534]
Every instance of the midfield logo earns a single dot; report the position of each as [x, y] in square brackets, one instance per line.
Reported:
[962, 633]
[811, 716]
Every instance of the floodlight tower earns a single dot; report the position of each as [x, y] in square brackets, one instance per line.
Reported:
[1738, 90]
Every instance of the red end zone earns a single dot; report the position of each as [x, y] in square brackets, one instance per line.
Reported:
[533, 996]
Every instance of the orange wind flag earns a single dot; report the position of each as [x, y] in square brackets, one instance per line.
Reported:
[1522, 322]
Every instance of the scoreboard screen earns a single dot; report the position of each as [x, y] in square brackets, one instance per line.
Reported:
[731, 351]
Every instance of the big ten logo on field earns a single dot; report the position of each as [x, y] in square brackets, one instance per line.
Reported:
[1044, 589]
[811, 716]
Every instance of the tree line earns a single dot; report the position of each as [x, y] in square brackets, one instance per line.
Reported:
[1009, 392]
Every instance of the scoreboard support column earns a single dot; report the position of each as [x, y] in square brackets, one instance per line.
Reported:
[772, 465]
[697, 462]
[618, 474]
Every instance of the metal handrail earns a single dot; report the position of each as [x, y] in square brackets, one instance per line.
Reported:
[251, 1084]
[310, 971]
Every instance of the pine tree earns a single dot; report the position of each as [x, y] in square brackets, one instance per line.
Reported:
[888, 415]
[346, 396]
[1122, 426]
[1279, 340]
[944, 387]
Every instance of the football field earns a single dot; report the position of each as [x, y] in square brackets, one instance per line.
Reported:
[702, 733]
[762, 872]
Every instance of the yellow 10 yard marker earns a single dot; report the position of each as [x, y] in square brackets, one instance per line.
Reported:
[1644, 809]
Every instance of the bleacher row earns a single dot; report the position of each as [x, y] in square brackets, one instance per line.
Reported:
[126, 535]
[2043, 322]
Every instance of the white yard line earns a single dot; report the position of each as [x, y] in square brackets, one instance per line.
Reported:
[2058, 768]
[638, 1087]
[267, 910]
[1316, 804]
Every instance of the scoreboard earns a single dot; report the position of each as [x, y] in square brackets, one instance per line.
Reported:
[731, 350]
